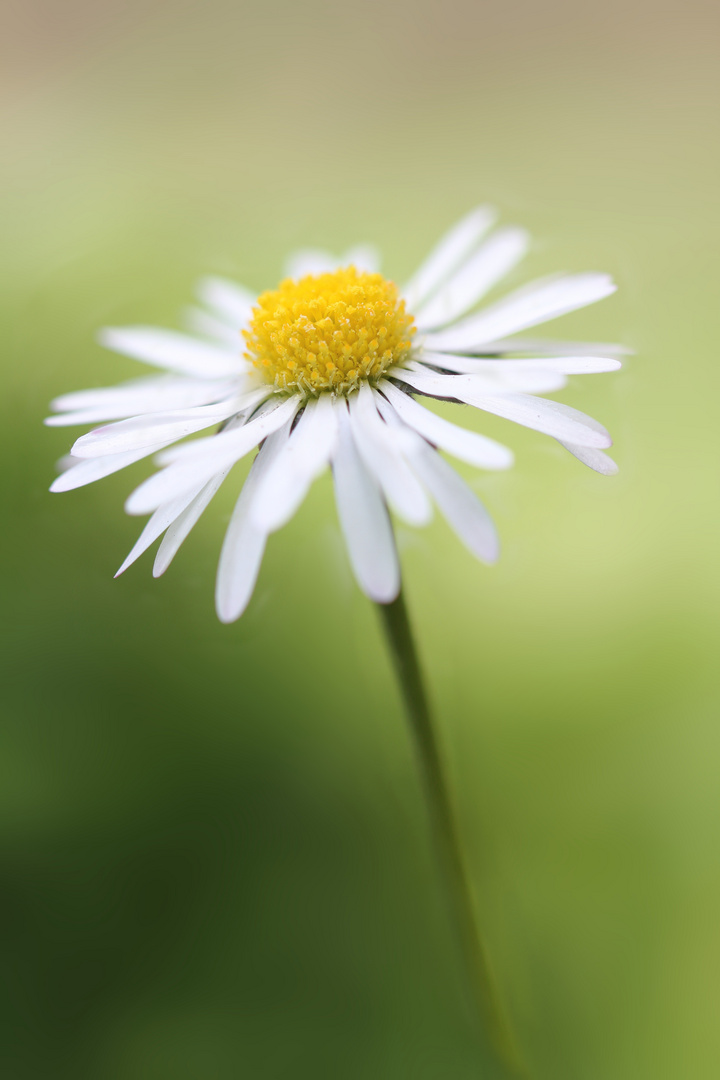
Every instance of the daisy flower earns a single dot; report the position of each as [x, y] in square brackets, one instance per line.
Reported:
[327, 369]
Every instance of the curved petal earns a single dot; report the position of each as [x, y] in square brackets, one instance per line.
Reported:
[548, 417]
[466, 445]
[490, 263]
[310, 261]
[535, 303]
[383, 458]
[562, 365]
[163, 517]
[301, 460]
[226, 335]
[92, 469]
[228, 301]
[244, 543]
[492, 380]
[181, 527]
[555, 347]
[152, 428]
[169, 349]
[458, 504]
[198, 461]
[146, 395]
[454, 247]
[364, 519]
[364, 257]
[594, 459]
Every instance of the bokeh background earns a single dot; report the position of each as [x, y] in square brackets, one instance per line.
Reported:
[214, 856]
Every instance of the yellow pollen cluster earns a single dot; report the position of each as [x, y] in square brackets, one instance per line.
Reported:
[329, 332]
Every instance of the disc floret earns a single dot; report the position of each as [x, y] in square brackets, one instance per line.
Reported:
[329, 332]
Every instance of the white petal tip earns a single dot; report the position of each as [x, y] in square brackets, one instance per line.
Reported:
[603, 465]
[596, 460]
[383, 596]
[422, 520]
[502, 461]
[603, 282]
[107, 336]
[66, 481]
[486, 550]
[138, 507]
[229, 615]
[132, 557]
[270, 525]
[86, 445]
[83, 451]
[266, 519]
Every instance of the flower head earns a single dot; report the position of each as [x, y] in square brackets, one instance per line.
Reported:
[326, 370]
[329, 332]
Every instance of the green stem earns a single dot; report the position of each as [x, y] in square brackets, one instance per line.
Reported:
[407, 668]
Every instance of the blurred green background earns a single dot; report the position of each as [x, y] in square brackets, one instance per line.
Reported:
[214, 857]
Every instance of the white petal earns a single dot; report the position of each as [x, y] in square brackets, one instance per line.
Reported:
[310, 261]
[226, 335]
[153, 428]
[466, 445]
[244, 543]
[594, 459]
[562, 365]
[491, 380]
[379, 449]
[163, 517]
[460, 506]
[87, 472]
[570, 365]
[535, 303]
[364, 520]
[66, 462]
[145, 394]
[454, 247]
[555, 347]
[194, 463]
[496, 258]
[301, 460]
[259, 405]
[180, 528]
[141, 396]
[230, 302]
[168, 349]
[364, 257]
[549, 417]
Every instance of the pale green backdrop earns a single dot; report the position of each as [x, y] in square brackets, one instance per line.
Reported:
[214, 860]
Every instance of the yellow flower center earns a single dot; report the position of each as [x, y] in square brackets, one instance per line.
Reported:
[329, 332]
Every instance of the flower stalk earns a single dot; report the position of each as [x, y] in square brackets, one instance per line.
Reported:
[490, 1014]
